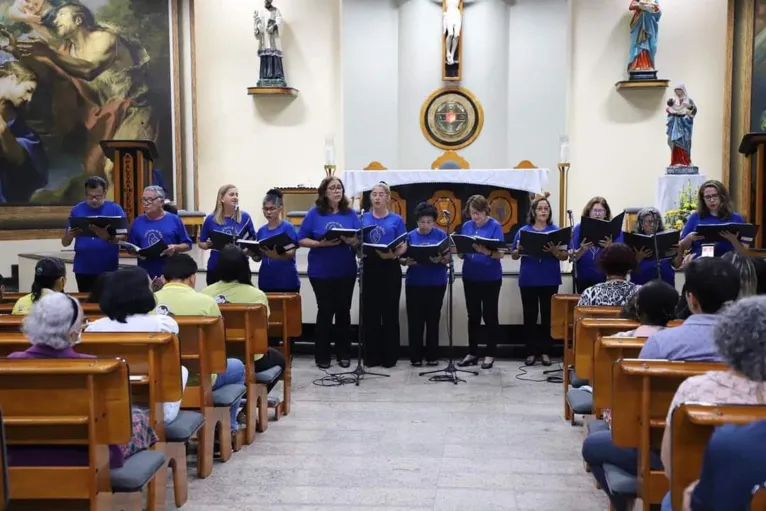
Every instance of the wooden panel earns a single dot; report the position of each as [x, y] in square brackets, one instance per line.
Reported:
[503, 208]
[3, 467]
[587, 331]
[608, 351]
[562, 314]
[375, 165]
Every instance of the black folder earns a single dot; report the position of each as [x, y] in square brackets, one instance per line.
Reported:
[116, 225]
[220, 239]
[153, 251]
[337, 232]
[371, 249]
[281, 242]
[711, 232]
[464, 244]
[533, 243]
[422, 254]
[594, 230]
[667, 241]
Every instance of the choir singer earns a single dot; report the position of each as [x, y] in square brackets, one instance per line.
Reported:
[713, 207]
[278, 272]
[587, 251]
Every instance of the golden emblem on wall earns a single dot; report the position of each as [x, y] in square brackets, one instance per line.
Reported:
[445, 200]
[504, 209]
[451, 118]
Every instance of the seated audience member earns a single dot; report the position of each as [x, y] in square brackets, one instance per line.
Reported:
[178, 298]
[98, 287]
[128, 303]
[711, 283]
[54, 327]
[236, 286]
[740, 336]
[616, 262]
[760, 275]
[50, 276]
[655, 305]
[748, 280]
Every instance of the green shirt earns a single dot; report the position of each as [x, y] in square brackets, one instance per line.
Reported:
[24, 304]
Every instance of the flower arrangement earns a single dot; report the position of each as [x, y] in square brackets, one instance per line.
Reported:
[687, 204]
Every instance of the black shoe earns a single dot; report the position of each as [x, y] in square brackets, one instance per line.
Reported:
[546, 360]
[530, 361]
[416, 363]
[344, 363]
[388, 365]
[432, 363]
[469, 360]
[325, 364]
[488, 365]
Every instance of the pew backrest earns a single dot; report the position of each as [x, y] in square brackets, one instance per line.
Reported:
[246, 326]
[203, 350]
[12, 297]
[3, 467]
[286, 316]
[562, 314]
[608, 350]
[587, 331]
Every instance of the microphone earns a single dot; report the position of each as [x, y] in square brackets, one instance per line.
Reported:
[446, 213]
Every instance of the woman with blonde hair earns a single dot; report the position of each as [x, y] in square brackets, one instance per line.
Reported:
[227, 218]
[587, 252]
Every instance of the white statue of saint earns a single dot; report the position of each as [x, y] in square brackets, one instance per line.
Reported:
[267, 25]
[452, 24]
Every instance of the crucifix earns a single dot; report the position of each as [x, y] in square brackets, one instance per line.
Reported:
[452, 49]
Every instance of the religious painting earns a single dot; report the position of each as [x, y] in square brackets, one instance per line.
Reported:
[451, 118]
[73, 73]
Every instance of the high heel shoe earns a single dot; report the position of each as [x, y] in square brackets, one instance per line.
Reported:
[546, 360]
[488, 365]
[469, 360]
[530, 361]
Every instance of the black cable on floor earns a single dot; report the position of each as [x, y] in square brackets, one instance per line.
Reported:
[547, 379]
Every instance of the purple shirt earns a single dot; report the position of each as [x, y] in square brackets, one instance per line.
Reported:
[691, 341]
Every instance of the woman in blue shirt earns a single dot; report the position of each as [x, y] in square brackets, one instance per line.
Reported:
[587, 251]
[278, 273]
[154, 225]
[539, 280]
[424, 289]
[482, 278]
[649, 221]
[382, 279]
[226, 218]
[713, 207]
[331, 269]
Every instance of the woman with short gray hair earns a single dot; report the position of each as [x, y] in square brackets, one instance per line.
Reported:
[157, 226]
[748, 279]
[740, 336]
[649, 222]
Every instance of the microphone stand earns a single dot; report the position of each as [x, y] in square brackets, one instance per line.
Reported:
[450, 372]
[572, 257]
[656, 250]
[358, 374]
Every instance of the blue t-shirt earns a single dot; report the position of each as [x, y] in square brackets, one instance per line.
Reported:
[230, 226]
[479, 266]
[278, 275]
[329, 262]
[386, 230]
[426, 274]
[586, 265]
[647, 271]
[694, 220]
[92, 255]
[538, 271]
[145, 232]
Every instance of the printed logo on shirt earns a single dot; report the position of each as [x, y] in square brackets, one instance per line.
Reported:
[221, 299]
[377, 234]
[152, 236]
[332, 225]
[163, 310]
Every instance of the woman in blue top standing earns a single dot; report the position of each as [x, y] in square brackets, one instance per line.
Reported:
[382, 279]
[713, 207]
[226, 218]
[157, 224]
[331, 269]
[649, 221]
[425, 285]
[278, 273]
[587, 251]
[482, 278]
[539, 280]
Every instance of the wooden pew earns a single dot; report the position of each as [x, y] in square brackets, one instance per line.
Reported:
[562, 326]
[247, 329]
[758, 502]
[608, 351]
[6, 305]
[4, 495]
[588, 330]
[13, 297]
[69, 402]
[691, 429]
[285, 322]
[154, 361]
[642, 391]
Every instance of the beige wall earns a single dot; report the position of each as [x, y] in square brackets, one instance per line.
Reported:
[618, 143]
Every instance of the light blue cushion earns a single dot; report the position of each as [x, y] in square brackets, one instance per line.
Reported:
[273, 401]
[226, 395]
[184, 426]
[137, 471]
[580, 401]
[269, 375]
[596, 425]
[619, 481]
[576, 382]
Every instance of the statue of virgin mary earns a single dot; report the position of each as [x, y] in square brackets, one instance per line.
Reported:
[644, 29]
[681, 111]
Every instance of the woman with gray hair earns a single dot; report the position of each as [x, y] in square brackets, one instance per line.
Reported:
[748, 278]
[649, 222]
[157, 226]
[740, 336]
[54, 325]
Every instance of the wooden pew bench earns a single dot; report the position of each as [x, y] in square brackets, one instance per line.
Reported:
[642, 391]
[74, 402]
[285, 323]
[562, 327]
[13, 297]
[4, 495]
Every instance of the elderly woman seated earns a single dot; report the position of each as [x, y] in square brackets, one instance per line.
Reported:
[54, 327]
[616, 262]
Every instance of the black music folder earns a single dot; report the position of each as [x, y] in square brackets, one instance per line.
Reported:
[667, 241]
[712, 232]
[281, 242]
[533, 243]
[464, 244]
[371, 249]
[220, 239]
[422, 254]
[337, 232]
[595, 230]
[116, 225]
[153, 251]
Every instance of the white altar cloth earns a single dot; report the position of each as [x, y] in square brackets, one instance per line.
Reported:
[530, 180]
[669, 189]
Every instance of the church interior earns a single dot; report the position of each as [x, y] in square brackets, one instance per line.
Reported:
[458, 111]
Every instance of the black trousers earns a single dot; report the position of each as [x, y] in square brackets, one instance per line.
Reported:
[381, 290]
[536, 299]
[86, 281]
[582, 284]
[481, 300]
[270, 359]
[333, 301]
[424, 309]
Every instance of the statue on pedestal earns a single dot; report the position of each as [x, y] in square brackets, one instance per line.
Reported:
[267, 27]
[681, 111]
[644, 29]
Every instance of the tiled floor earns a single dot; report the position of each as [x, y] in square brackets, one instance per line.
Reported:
[404, 443]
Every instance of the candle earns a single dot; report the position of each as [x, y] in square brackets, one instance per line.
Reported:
[329, 150]
[564, 150]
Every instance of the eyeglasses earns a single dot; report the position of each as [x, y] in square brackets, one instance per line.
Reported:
[711, 197]
[335, 188]
[146, 200]
[94, 197]
[269, 209]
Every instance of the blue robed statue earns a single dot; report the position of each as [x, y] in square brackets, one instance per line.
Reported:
[680, 111]
[644, 29]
